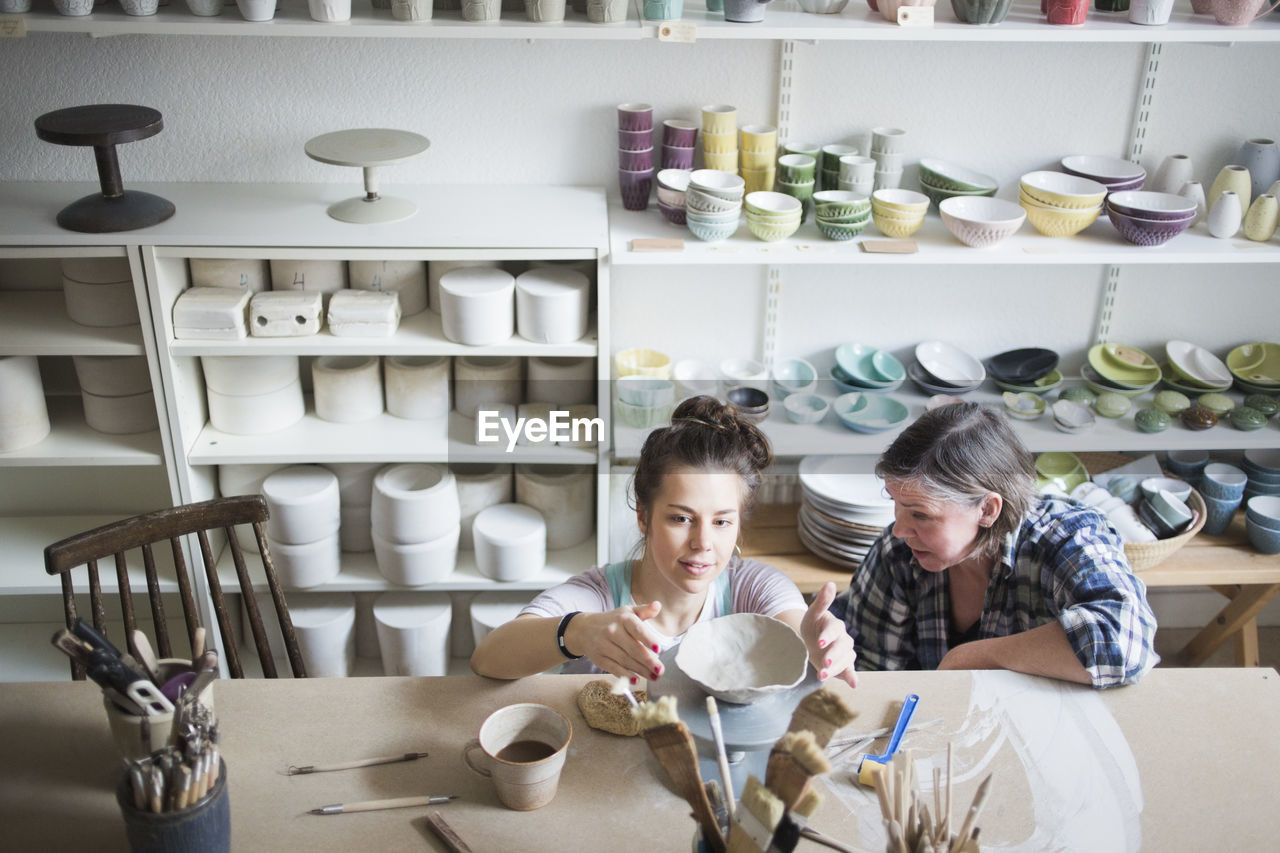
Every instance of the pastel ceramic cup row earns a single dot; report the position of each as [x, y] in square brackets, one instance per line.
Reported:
[679, 138]
[635, 157]
[720, 137]
[887, 144]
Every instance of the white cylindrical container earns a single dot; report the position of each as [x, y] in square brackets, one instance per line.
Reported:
[24, 417]
[244, 480]
[551, 305]
[356, 530]
[247, 375]
[100, 305]
[96, 270]
[112, 375]
[413, 632]
[366, 629]
[437, 269]
[477, 306]
[480, 485]
[313, 275]
[303, 502]
[355, 481]
[257, 414]
[417, 386]
[325, 624]
[510, 542]
[121, 415]
[417, 563]
[347, 388]
[562, 381]
[491, 609]
[565, 495]
[484, 381]
[251, 274]
[406, 278]
[306, 566]
[460, 643]
[414, 503]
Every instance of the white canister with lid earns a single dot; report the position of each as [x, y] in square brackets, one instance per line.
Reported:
[477, 306]
[417, 386]
[551, 305]
[562, 381]
[24, 416]
[565, 495]
[437, 269]
[112, 375]
[414, 502]
[355, 481]
[100, 305]
[510, 542]
[324, 276]
[307, 565]
[483, 382]
[480, 485]
[96, 270]
[413, 632]
[303, 501]
[347, 388]
[256, 414]
[325, 625]
[128, 415]
[406, 278]
[417, 563]
[489, 610]
[247, 375]
[244, 480]
[249, 274]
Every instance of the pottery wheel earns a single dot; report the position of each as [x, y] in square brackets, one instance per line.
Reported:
[368, 149]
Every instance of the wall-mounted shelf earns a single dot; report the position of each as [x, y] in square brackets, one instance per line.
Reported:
[71, 441]
[35, 322]
[23, 539]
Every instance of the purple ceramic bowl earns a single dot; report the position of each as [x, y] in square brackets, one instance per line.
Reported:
[635, 187]
[677, 158]
[678, 133]
[674, 215]
[1147, 232]
[635, 140]
[1152, 205]
[635, 117]
[635, 161]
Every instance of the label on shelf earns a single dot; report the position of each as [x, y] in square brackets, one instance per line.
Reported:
[681, 31]
[915, 16]
[890, 247]
[657, 244]
[13, 26]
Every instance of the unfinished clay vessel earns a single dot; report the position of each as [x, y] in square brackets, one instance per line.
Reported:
[742, 657]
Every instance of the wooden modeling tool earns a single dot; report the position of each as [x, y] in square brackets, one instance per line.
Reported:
[823, 713]
[794, 760]
[671, 743]
[295, 770]
[146, 657]
[755, 819]
[377, 805]
[871, 765]
[445, 833]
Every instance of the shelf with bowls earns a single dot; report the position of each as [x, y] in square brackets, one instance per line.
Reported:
[1099, 244]
[71, 442]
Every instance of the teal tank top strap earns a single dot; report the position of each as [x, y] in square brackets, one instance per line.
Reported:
[618, 576]
[723, 590]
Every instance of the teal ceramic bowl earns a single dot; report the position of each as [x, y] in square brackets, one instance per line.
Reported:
[1247, 419]
[869, 366]
[872, 414]
[1152, 420]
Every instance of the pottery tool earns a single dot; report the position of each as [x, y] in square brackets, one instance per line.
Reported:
[793, 761]
[622, 688]
[722, 757]
[445, 833]
[378, 805]
[755, 819]
[823, 713]
[197, 642]
[145, 656]
[968, 829]
[870, 765]
[671, 743]
[295, 770]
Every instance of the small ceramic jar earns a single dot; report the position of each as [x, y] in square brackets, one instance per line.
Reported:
[1171, 402]
[1247, 419]
[1077, 394]
[1219, 404]
[1112, 405]
[1152, 420]
[478, 306]
[510, 542]
[348, 388]
[1199, 418]
[1263, 403]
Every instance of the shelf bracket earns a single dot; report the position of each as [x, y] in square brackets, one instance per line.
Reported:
[1146, 96]
[786, 65]
[772, 303]
[1103, 332]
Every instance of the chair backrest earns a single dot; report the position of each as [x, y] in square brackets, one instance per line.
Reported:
[172, 525]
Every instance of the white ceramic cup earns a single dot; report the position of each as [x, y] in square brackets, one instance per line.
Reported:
[414, 503]
[24, 415]
[477, 306]
[303, 502]
[1150, 12]
[413, 632]
[407, 279]
[347, 388]
[325, 625]
[510, 542]
[524, 747]
[417, 386]
[565, 495]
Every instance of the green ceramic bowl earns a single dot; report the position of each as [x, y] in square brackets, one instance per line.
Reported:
[1256, 363]
[1061, 468]
[1049, 382]
[950, 176]
[1124, 365]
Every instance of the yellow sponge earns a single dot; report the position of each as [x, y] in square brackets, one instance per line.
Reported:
[869, 771]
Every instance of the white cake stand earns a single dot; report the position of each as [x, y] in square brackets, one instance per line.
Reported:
[368, 148]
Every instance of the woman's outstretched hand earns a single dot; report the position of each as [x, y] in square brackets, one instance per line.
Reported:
[619, 641]
[830, 646]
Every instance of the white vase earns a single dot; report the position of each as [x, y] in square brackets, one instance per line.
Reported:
[329, 11]
[413, 10]
[1262, 217]
[1174, 171]
[1232, 177]
[139, 8]
[1225, 215]
[1262, 158]
[606, 11]
[544, 11]
[24, 418]
[257, 10]
[1194, 190]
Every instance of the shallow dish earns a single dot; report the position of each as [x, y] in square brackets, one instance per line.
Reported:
[1146, 232]
[1022, 366]
[1023, 405]
[1058, 222]
[805, 408]
[869, 366]
[878, 413]
[1058, 189]
[1256, 364]
[1064, 469]
[1049, 382]
[1103, 169]
[949, 176]
[742, 657]
[1095, 382]
[1123, 365]
[1153, 205]
[929, 384]
[949, 364]
[1071, 417]
[793, 376]
[1197, 365]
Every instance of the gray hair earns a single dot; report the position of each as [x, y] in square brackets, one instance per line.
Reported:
[960, 453]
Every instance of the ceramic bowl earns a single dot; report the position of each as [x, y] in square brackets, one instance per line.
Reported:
[1264, 510]
[1222, 481]
[949, 176]
[1022, 366]
[978, 221]
[949, 364]
[841, 231]
[647, 391]
[711, 232]
[897, 228]
[938, 195]
[644, 417]
[743, 657]
[642, 362]
[868, 366]
[899, 202]
[1178, 488]
[1261, 466]
[846, 384]
[1058, 222]
[793, 376]
[1187, 464]
[771, 233]
[1057, 189]
[840, 203]
[1123, 365]
[1023, 406]
[676, 215]
[1147, 232]
[1044, 385]
[674, 198]
[1198, 365]
[675, 180]
[1108, 171]
[1265, 540]
[709, 206]
[1071, 417]
[1061, 468]
[771, 204]
[823, 7]
[726, 185]
[694, 378]
[743, 371]
[1256, 365]
[1153, 205]
[750, 402]
[869, 413]
[1098, 385]
[928, 384]
[805, 408]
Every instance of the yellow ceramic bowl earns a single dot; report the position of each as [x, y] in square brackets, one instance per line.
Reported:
[897, 228]
[720, 143]
[719, 118]
[899, 202]
[771, 233]
[642, 362]
[1058, 222]
[721, 162]
[1058, 189]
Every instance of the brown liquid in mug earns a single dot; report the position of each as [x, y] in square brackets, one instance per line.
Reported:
[525, 751]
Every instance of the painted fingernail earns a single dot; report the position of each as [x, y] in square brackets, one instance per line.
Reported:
[655, 648]
[823, 675]
[634, 680]
[655, 675]
[827, 662]
[822, 644]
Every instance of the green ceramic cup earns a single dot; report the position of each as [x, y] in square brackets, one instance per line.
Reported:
[796, 168]
[988, 11]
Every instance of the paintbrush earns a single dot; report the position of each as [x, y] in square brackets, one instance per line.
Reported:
[794, 760]
[787, 834]
[755, 819]
[823, 713]
[722, 757]
[671, 743]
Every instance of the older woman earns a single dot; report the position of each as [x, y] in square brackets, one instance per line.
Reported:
[979, 572]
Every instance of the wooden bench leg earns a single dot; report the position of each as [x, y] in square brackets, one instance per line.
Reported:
[1247, 644]
[1241, 611]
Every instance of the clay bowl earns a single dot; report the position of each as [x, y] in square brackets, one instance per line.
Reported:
[743, 657]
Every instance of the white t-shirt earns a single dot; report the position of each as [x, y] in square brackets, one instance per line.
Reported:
[752, 587]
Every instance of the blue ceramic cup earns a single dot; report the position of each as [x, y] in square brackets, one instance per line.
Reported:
[1219, 514]
[1222, 481]
[663, 10]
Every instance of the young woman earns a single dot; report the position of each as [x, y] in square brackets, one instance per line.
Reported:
[694, 485]
[978, 572]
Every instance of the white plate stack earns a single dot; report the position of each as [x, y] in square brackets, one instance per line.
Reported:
[302, 530]
[842, 510]
[416, 522]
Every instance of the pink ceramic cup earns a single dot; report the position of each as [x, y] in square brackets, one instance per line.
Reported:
[1069, 13]
[678, 133]
[635, 140]
[635, 161]
[635, 117]
[1239, 13]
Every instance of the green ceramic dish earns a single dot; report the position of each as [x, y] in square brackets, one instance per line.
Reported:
[1219, 404]
[1077, 394]
[1256, 363]
[1124, 365]
[1112, 405]
[1098, 385]
[1247, 419]
[1060, 468]
[1152, 420]
[1043, 385]
[1263, 403]
[1171, 402]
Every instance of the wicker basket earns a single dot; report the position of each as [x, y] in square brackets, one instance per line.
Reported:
[1144, 555]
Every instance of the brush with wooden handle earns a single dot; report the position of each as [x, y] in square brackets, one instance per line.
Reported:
[823, 713]
[794, 760]
[755, 819]
[671, 743]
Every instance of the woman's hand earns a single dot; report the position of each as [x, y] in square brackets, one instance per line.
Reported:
[830, 646]
[618, 641]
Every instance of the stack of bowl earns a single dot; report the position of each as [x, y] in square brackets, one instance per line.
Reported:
[1193, 371]
[887, 144]
[1115, 173]
[1263, 470]
[981, 222]
[857, 174]
[796, 178]
[1262, 523]
[759, 147]
[1149, 218]
[942, 180]
[679, 138]
[1222, 487]
[1121, 369]
[635, 154]
[1032, 370]
[840, 214]
[943, 368]
[713, 203]
[864, 369]
[645, 401]
[1256, 367]
[672, 185]
[772, 216]
[751, 404]
[1058, 204]
[898, 213]
[1071, 417]
[830, 164]
[720, 137]
[1164, 513]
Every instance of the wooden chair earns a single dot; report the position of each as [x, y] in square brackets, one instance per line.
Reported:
[173, 524]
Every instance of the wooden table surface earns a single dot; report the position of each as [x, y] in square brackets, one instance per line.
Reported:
[1186, 760]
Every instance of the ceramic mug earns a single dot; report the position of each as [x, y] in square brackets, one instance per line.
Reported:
[1068, 12]
[1152, 13]
[524, 748]
[744, 11]
[1239, 13]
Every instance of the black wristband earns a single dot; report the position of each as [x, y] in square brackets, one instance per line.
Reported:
[564, 624]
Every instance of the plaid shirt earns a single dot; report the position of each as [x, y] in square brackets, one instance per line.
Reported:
[1065, 562]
